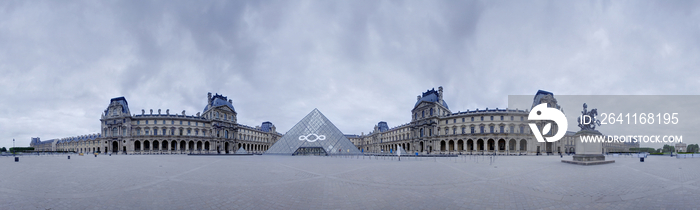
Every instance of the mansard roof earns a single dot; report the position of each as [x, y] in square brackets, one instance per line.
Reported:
[122, 101]
[219, 100]
[431, 96]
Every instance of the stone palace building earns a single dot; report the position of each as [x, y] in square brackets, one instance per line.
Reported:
[434, 129]
[213, 131]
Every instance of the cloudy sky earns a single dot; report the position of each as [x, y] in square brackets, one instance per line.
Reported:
[358, 62]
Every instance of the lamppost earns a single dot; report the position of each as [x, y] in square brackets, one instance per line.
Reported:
[13, 147]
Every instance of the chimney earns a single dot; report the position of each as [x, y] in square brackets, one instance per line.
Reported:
[418, 98]
[209, 98]
[440, 94]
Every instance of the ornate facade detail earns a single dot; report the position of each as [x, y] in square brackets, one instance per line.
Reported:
[215, 131]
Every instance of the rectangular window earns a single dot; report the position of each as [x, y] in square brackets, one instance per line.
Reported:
[472, 130]
[180, 122]
[463, 130]
[512, 129]
[511, 118]
[462, 119]
[155, 122]
[491, 128]
[172, 122]
[138, 122]
[163, 122]
[196, 133]
[522, 130]
[472, 119]
[196, 123]
[454, 130]
[491, 118]
[430, 132]
[482, 128]
[146, 122]
[138, 132]
[521, 118]
[482, 118]
[189, 132]
[188, 123]
[146, 131]
[454, 120]
[155, 132]
[164, 131]
[501, 118]
[502, 129]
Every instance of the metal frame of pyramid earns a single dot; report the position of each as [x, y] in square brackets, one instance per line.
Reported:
[241, 151]
[314, 130]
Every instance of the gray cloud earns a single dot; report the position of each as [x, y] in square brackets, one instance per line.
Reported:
[359, 62]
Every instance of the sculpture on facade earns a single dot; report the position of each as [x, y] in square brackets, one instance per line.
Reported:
[587, 121]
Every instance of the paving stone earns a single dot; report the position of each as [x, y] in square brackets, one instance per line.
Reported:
[283, 182]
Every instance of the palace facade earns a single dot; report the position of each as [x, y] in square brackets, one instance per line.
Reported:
[213, 131]
[434, 129]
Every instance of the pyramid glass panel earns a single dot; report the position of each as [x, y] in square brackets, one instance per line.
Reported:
[241, 151]
[311, 133]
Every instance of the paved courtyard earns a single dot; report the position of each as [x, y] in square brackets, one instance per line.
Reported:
[282, 182]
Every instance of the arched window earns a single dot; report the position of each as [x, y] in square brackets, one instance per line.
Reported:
[226, 134]
[421, 132]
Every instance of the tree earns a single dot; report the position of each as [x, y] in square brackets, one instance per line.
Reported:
[693, 148]
[3, 149]
[668, 148]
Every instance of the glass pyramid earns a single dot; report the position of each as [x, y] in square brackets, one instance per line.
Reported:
[400, 151]
[312, 132]
[241, 151]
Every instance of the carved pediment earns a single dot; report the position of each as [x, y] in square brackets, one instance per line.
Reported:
[224, 109]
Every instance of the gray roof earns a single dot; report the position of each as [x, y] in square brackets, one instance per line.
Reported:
[219, 100]
[430, 96]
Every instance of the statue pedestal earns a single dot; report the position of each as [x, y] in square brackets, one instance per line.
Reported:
[588, 153]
